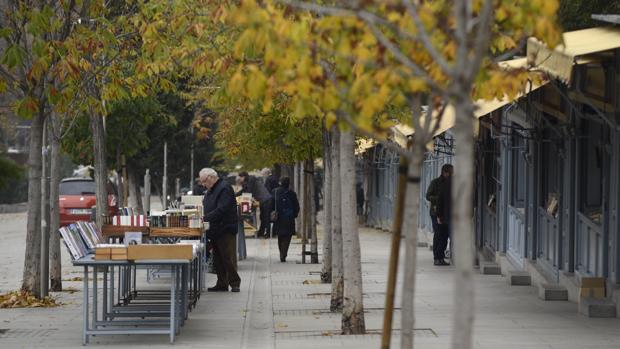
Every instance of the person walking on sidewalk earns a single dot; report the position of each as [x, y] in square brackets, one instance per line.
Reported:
[220, 211]
[285, 210]
[439, 195]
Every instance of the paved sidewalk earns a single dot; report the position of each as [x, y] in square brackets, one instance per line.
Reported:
[282, 305]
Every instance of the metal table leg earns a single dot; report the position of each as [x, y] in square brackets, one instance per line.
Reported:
[184, 293]
[105, 293]
[112, 280]
[85, 306]
[95, 297]
[173, 304]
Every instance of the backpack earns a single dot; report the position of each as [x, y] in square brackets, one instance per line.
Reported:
[285, 205]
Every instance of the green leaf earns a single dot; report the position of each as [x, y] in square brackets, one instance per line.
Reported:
[26, 107]
[5, 32]
[13, 56]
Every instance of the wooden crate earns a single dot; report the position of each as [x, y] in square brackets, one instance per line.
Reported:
[176, 232]
[138, 252]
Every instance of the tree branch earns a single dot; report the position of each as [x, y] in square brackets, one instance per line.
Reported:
[424, 37]
[481, 40]
[12, 79]
[509, 54]
[397, 53]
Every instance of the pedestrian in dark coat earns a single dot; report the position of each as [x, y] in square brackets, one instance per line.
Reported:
[439, 195]
[220, 211]
[287, 207]
[261, 194]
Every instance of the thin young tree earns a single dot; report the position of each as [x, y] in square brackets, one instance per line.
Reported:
[353, 308]
[337, 301]
[326, 272]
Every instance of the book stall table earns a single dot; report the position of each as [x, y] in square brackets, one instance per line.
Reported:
[122, 306]
[127, 309]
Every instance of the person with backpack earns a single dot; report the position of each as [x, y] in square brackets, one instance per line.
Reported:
[284, 212]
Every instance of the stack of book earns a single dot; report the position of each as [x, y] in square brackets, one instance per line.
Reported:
[176, 218]
[128, 217]
[80, 238]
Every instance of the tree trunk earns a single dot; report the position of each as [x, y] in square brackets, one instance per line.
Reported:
[314, 242]
[99, 156]
[164, 185]
[32, 261]
[302, 207]
[326, 273]
[397, 228]
[461, 225]
[297, 185]
[147, 193]
[353, 310]
[45, 209]
[55, 257]
[337, 272]
[135, 199]
[410, 225]
[119, 177]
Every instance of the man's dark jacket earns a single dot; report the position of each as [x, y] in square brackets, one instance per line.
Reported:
[271, 183]
[220, 209]
[438, 194]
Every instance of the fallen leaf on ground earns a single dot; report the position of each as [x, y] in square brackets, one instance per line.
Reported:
[23, 299]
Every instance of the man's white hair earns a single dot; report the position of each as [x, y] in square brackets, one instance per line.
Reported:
[207, 172]
[265, 172]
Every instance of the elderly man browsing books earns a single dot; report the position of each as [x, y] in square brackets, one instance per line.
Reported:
[220, 211]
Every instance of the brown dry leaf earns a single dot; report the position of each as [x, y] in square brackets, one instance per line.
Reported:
[22, 299]
[326, 333]
[281, 325]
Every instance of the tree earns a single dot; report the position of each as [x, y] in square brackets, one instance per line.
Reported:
[353, 308]
[326, 272]
[337, 293]
[31, 33]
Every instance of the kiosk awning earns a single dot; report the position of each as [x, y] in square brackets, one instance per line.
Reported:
[576, 47]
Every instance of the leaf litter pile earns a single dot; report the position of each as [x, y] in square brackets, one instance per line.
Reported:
[23, 299]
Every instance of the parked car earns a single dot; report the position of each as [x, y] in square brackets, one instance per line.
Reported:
[77, 199]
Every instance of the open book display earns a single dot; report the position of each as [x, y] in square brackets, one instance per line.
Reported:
[80, 238]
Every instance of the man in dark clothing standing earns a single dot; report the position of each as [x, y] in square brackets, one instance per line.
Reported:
[439, 195]
[260, 193]
[220, 211]
[271, 180]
